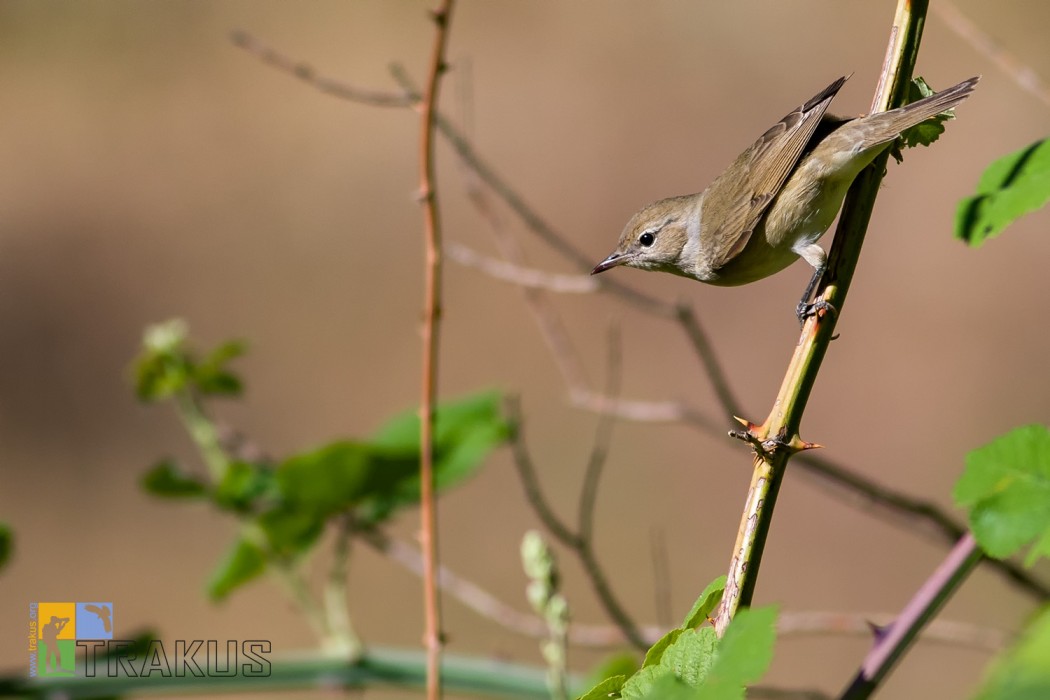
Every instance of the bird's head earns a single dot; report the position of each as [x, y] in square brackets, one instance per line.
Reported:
[654, 237]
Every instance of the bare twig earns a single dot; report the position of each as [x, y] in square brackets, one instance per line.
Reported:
[944, 632]
[1024, 75]
[535, 223]
[575, 541]
[306, 73]
[432, 639]
[789, 623]
[552, 329]
[600, 450]
[661, 577]
[521, 276]
[492, 608]
[690, 324]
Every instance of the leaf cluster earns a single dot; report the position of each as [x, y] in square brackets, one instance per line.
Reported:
[286, 506]
[691, 663]
[1006, 491]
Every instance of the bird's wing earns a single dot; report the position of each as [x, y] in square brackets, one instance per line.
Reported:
[737, 199]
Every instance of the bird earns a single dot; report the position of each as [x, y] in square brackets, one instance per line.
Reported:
[103, 613]
[775, 201]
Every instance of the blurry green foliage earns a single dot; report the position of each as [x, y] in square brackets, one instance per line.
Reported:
[1006, 489]
[285, 507]
[1009, 188]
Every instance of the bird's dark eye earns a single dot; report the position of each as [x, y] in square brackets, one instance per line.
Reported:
[646, 239]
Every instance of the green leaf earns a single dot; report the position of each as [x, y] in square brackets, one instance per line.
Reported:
[691, 656]
[666, 687]
[705, 604]
[1022, 672]
[465, 431]
[242, 564]
[641, 684]
[343, 474]
[211, 375]
[1006, 488]
[242, 485]
[656, 651]
[7, 544]
[162, 368]
[925, 132]
[623, 664]
[158, 376]
[744, 653]
[314, 486]
[166, 480]
[167, 366]
[1010, 187]
[609, 688]
[221, 356]
[685, 655]
[217, 382]
[290, 531]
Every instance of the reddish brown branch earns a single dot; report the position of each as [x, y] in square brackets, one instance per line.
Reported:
[432, 637]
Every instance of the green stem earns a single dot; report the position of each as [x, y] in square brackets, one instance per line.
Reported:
[777, 439]
[376, 668]
[203, 433]
[341, 631]
[292, 582]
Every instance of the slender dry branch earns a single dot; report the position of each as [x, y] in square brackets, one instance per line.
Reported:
[521, 276]
[1024, 75]
[949, 633]
[575, 541]
[661, 577]
[600, 450]
[535, 223]
[432, 638]
[552, 329]
[790, 623]
[306, 73]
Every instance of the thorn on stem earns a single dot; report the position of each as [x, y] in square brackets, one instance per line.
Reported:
[799, 445]
[879, 632]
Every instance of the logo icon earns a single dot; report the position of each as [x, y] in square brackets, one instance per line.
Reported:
[60, 632]
[55, 629]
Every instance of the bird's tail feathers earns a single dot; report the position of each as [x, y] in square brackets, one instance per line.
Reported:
[886, 126]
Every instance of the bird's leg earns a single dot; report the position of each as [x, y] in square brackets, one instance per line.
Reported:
[805, 308]
[815, 256]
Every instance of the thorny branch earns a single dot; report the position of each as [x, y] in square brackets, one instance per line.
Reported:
[879, 500]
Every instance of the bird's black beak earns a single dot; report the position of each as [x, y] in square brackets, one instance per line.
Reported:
[613, 260]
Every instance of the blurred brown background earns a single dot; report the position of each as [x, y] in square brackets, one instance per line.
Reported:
[149, 170]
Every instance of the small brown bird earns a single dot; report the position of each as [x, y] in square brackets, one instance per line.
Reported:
[775, 201]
